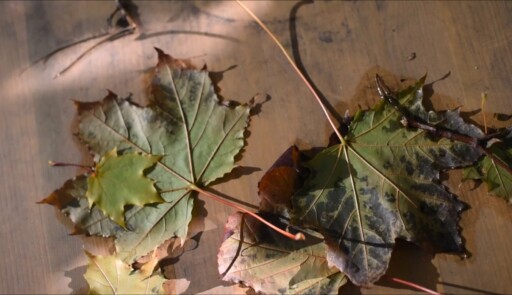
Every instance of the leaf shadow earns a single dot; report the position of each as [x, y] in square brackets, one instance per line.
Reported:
[292, 24]
[78, 284]
[411, 263]
[236, 173]
[190, 257]
[471, 289]
[216, 77]
[195, 264]
[430, 96]
[428, 91]
[350, 289]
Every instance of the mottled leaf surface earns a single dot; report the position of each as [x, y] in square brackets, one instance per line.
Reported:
[118, 181]
[382, 185]
[110, 275]
[195, 135]
[497, 178]
[259, 257]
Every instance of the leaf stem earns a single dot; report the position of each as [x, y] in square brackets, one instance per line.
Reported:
[61, 164]
[482, 105]
[413, 285]
[297, 70]
[297, 236]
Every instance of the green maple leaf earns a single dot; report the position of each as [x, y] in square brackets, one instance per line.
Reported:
[268, 262]
[110, 275]
[383, 184]
[497, 178]
[196, 136]
[119, 180]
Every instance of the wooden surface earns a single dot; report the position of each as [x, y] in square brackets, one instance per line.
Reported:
[339, 44]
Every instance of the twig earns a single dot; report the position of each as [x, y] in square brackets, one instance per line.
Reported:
[410, 120]
[112, 37]
[46, 57]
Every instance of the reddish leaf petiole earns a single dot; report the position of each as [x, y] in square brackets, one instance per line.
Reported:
[297, 236]
[413, 285]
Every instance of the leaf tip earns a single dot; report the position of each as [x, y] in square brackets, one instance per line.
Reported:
[160, 52]
[83, 106]
[77, 231]
[43, 201]
[89, 255]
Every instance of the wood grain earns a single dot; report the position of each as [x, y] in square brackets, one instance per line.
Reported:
[466, 47]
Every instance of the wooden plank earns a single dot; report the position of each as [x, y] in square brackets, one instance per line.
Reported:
[339, 44]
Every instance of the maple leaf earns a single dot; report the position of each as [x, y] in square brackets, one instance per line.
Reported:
[118, 181]
[70, 199]
[110, 275]
[196, 136]
[382, 183]
[257, 256]
[497, 177]
[280, 182]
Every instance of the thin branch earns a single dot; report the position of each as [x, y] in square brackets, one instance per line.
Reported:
[112, 37]
[409, 120]
[46, 57]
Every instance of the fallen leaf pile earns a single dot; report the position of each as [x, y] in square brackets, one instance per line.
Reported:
[351, 200]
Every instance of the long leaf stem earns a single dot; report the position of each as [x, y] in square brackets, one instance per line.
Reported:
[297, 70]
[297, 236]
[89, 169]
[413, 285]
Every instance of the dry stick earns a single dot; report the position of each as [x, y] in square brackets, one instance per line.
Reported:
[114, 36]
[290, 60]
[409, 120]
[46, 57]
[297, 236]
